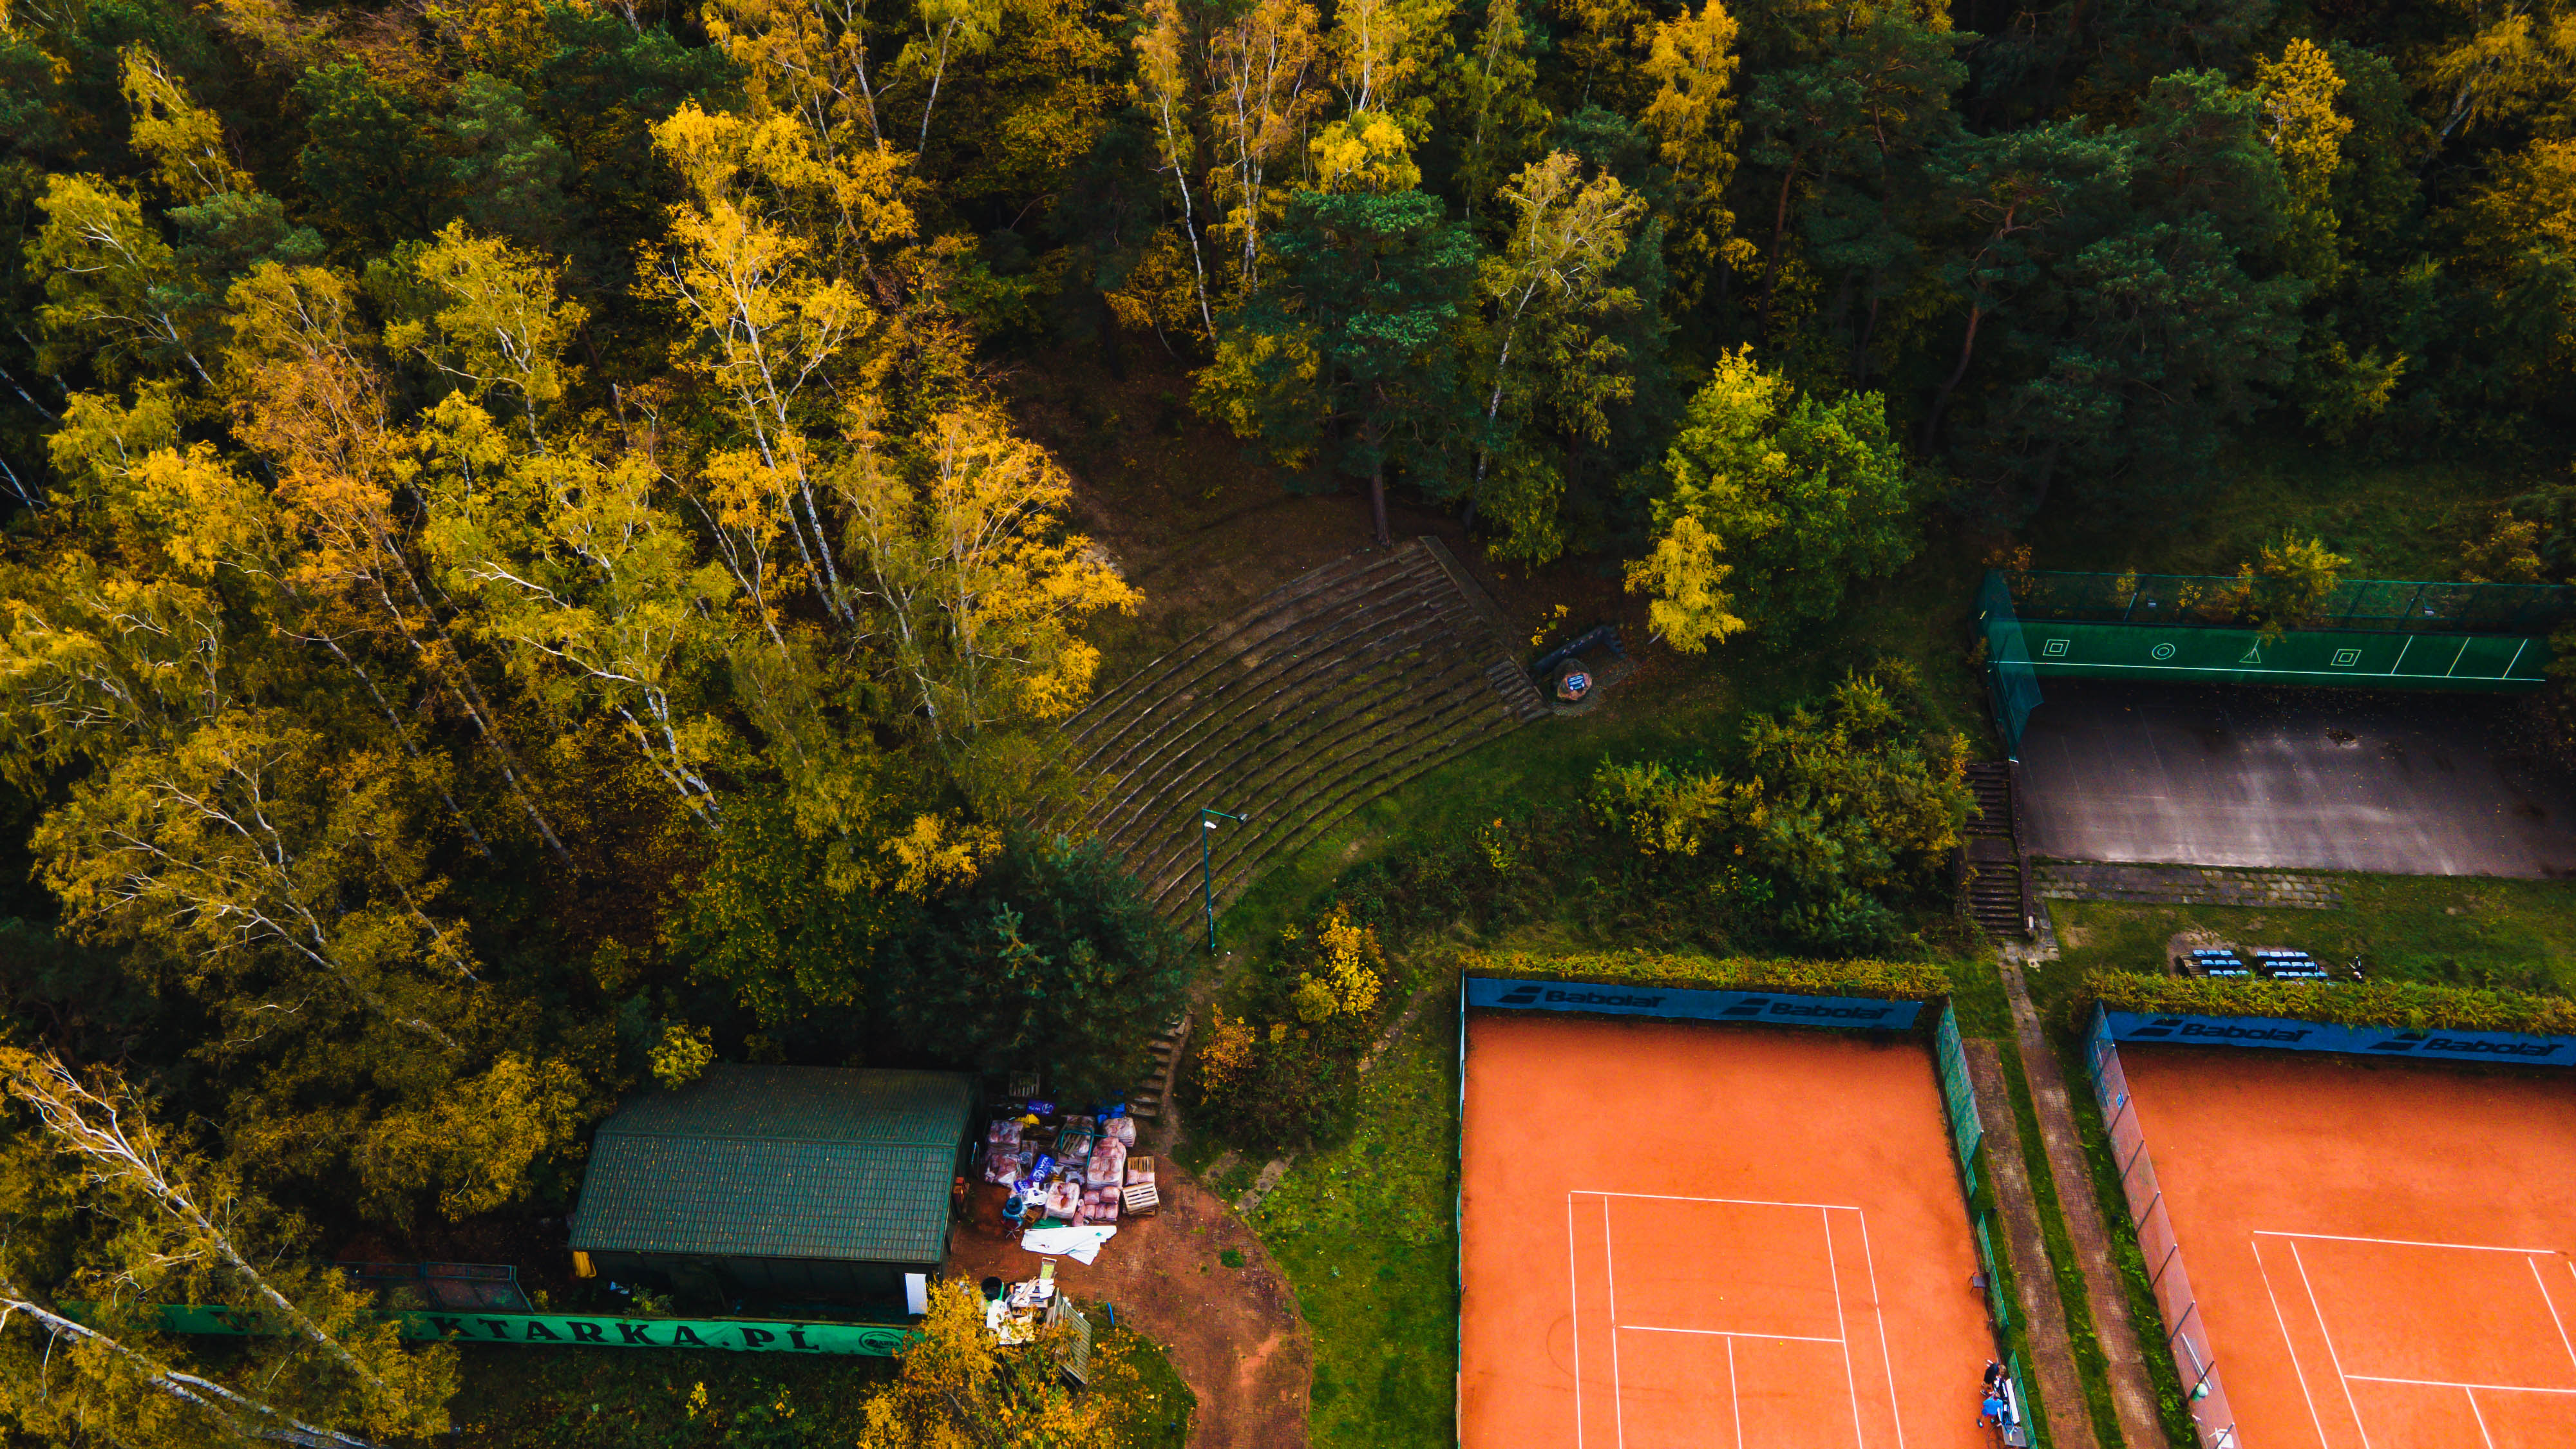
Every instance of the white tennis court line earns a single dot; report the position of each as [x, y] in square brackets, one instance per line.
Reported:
[2411, 1243]
[2455, 1384]
[1869, 1260]
[2543, 1285]
[2468, 1390]
[1842, 1327]
[1610, 1277]
[1839, 1207]
[2328, 1335]
[1574, 1296]
[2297, 1368]
[1722, 1333]
[1609, 1246]
[1734, 1394]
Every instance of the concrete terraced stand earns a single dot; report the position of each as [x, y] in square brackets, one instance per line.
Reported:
[2186, 885]
[1327, 693]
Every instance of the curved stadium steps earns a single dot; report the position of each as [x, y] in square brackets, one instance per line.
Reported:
[1329, 692]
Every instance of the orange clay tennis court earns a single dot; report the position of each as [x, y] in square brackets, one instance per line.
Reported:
[1701, 1235]
[2379, 1249]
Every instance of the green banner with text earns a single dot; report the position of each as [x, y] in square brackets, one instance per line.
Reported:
[754, 1335]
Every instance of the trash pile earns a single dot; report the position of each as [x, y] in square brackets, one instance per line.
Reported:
[1015, 1312]
[1078, 1170]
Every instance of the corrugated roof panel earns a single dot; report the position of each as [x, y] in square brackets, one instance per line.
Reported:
[780, 1162]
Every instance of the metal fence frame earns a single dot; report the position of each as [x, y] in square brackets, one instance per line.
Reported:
[1967, 1138]
[2012, 684]
[2186, 1335]
[2396, 606]
[1959, 1095]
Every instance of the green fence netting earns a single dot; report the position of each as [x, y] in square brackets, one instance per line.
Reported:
[1958, 1093]
[2392, 606]
[2012, 685]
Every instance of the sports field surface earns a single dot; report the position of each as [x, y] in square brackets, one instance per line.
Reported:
[2318, 779]
[1721, 1237]
[2379, 1248]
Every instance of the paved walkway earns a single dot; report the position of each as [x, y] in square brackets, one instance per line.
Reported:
[2061, 1394]
[2187, 885]
[2132, 1392]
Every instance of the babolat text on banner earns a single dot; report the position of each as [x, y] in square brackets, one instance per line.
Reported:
[2325, 1036]
[1862, 1013]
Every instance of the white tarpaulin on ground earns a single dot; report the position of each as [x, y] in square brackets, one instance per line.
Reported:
[1080, 1244]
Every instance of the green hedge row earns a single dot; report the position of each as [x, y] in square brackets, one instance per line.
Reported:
[2412, 1005]
[1901, 981]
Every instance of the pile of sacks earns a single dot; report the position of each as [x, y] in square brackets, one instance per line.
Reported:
[1081, 1180]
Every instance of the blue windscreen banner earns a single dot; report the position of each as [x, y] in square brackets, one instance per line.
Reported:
[2284, 1034]
[1850, 1013]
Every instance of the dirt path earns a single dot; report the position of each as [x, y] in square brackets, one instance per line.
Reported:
[2061, 1392]
[2132, 1392]
[1234, 1334]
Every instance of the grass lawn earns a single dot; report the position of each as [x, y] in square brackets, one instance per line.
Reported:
[2452, 930]
[1368, 1235]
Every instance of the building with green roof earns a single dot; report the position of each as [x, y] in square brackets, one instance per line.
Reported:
[778, 1182]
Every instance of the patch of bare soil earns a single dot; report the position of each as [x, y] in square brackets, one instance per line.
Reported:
[1234, 1334]
[1196, 522]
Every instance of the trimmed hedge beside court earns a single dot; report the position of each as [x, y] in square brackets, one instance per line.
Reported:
[2414, 1006]
[1895, 980]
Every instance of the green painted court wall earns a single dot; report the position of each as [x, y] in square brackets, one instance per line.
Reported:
[2481, 663]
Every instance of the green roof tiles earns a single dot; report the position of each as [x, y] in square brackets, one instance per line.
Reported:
[780, 1162]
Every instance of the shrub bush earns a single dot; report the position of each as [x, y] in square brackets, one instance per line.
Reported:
[1285, 1073]
[2414, 1006]
[1825, 825]
[1896, 980]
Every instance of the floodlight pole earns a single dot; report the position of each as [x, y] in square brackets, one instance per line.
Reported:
[1207, 873]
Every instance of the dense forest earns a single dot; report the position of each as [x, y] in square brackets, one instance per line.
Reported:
[525, 569]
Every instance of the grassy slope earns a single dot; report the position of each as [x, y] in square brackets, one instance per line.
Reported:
[2457, 930]
[574, 1398]
[1676, 705]
[1985, 1012]
[1368, 1233]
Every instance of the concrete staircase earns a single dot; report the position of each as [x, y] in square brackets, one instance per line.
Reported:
[1326, 694]
[1998, 878]
[1148, 1101]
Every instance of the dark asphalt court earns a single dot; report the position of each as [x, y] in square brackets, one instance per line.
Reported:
[2397, 784]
